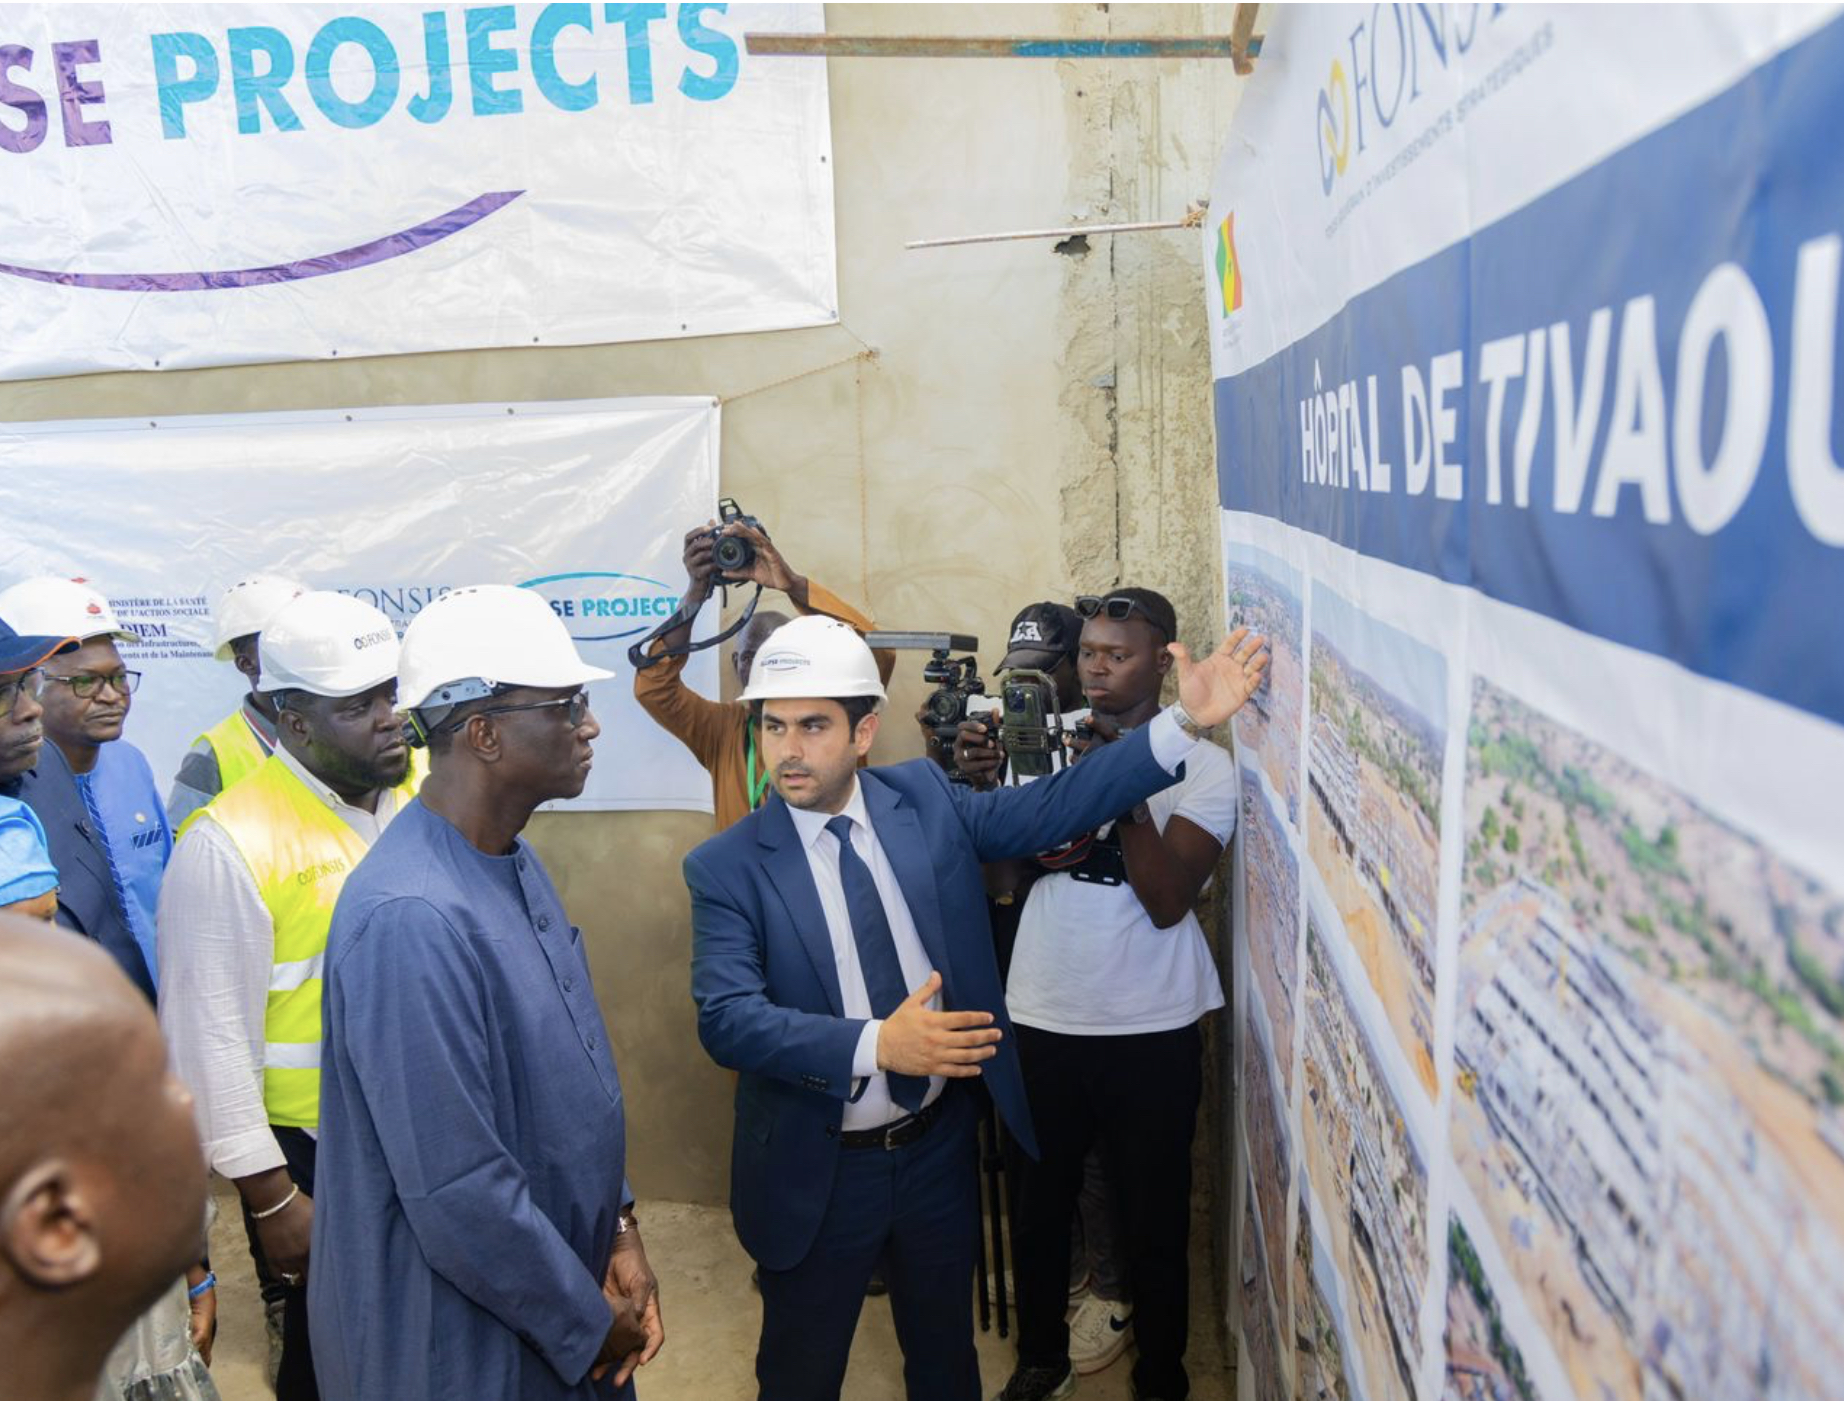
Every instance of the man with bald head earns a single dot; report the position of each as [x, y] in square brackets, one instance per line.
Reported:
[90, 1237]
[719, 735]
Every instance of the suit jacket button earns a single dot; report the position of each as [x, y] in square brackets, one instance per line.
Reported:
[832, 1130]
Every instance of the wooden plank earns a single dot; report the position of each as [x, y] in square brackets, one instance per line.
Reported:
[930, 46]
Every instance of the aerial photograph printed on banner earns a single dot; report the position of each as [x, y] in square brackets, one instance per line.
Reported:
[1483, 1364]
[1273, 916]
[1260, 1357]
[1649, 1065]
[1264, 596]
[1368, 1175]
[1378, 729]
[1318, 1323]
[1264, 1120]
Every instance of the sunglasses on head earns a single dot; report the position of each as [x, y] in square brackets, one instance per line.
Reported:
[1117, 609]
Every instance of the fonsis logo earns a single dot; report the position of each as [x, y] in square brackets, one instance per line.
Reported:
[1379, 73]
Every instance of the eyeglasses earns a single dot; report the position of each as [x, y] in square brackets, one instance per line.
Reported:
[86, 684]
[1116, 608]
[30, 683]
[575, 708]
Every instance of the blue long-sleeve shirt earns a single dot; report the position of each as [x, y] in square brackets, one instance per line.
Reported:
[472, 1144]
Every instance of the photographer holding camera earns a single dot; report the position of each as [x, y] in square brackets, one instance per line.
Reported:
[1108, 982]
[719, 734]
[1044, 638]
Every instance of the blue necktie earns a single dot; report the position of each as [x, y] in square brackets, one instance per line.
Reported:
[883, 971]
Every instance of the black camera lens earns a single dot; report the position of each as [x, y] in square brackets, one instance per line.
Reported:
[733, 553]
[944, 707]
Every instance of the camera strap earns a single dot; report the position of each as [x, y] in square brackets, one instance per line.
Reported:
[637, 654]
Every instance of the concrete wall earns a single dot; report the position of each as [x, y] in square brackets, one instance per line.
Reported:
[1033, 424]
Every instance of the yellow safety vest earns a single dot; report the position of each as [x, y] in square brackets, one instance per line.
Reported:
[240, 753]
[300, 853]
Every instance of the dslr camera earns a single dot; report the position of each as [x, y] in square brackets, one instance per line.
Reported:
[732, 554]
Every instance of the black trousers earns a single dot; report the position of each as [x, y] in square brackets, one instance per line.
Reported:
[294, 1379]
[1137, 1097]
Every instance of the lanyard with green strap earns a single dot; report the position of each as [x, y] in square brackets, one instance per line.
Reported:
[757, 786]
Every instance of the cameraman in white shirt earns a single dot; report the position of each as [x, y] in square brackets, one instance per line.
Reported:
[1109, 979]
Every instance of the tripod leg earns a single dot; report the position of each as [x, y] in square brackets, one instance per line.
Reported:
[993, 1161]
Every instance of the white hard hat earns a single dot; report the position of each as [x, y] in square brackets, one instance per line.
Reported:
[490, 634]
[329, 643]
[61, 608]
[246, 607]
[814, 657]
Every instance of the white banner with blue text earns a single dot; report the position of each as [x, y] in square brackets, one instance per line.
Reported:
[222, 184]
[1525, 335]
[586, 501]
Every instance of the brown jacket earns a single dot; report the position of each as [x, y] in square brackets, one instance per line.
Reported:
[716, 732]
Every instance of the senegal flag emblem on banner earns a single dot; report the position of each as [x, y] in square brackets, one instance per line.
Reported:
[1229, 271]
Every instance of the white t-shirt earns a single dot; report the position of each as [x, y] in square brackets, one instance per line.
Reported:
[1089, 960]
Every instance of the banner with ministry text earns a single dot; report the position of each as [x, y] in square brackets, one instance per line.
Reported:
[227, 183]
[584, 501]
[1525, 333]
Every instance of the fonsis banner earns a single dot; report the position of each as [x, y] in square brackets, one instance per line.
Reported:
[586, 502]
[1525, 330]
[215, 184]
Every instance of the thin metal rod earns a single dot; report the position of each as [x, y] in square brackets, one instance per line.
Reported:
[1190, 221]
[1243, 44]
[925, 46]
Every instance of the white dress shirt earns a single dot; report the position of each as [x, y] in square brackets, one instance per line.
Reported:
[216, 950]
[874, 1107]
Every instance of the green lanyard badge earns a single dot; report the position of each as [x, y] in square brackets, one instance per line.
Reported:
[757, 786]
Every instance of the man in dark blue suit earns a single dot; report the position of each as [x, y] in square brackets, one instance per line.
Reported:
[36, 773]
[842, 961]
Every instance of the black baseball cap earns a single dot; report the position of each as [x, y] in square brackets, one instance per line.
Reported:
[21, 653]
[1042, 635]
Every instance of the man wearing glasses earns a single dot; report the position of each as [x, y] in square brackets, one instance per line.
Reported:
[91, 788]
[476, 1236]
[249, 898]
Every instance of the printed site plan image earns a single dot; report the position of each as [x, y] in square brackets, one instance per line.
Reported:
[1318, 1325]
[1368, 1176]
[1483, 1364]
[1378, 728]
[1649, 1067]
[1261, 1355]
[1264, 1121]
[1273, 904]
[1264, 597]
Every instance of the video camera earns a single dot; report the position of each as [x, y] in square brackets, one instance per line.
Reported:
[957, 680]
[1030, 723]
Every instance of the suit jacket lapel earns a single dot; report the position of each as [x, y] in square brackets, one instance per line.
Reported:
[899, 833]
[786, 864]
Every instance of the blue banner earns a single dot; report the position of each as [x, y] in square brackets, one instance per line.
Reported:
[1616, 406]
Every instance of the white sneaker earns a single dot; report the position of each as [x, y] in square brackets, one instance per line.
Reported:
[1099, 1333]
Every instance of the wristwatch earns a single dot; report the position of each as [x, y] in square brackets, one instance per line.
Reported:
[626, 1221]
[1191, 728]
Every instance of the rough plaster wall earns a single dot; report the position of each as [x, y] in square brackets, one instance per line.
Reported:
[1139, 472]
[1020, 405]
